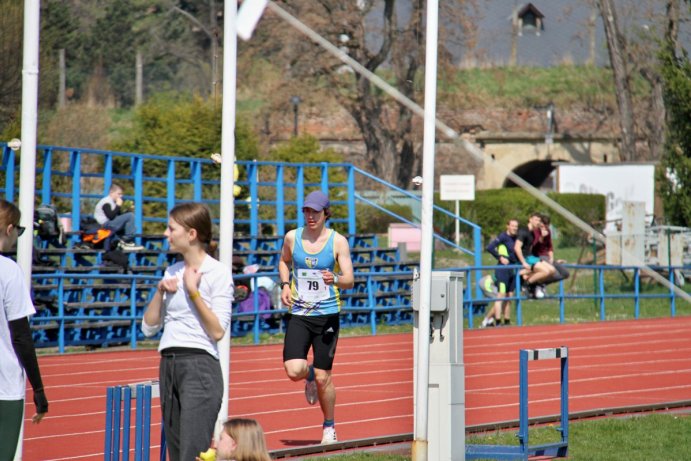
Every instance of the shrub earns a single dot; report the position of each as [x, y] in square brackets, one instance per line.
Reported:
[182, 126]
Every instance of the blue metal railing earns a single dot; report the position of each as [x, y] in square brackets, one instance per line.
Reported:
[77, 178]
[377, 298]
[599, 294]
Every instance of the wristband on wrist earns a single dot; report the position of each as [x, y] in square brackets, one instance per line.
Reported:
[282, 284]
[194, 295]
[335, 279]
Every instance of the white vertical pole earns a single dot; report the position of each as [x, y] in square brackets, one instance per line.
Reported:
[458, 213]
[419, 450]
[27, 172]
[227, 212]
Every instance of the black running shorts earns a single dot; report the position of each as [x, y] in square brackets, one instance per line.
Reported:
[319, 332]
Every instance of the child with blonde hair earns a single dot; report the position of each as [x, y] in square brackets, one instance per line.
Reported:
[241, 440]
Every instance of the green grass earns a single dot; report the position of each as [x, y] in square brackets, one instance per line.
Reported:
[659, 436]
[529, 86]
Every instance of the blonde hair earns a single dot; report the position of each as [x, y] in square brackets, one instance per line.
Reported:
[249, 437]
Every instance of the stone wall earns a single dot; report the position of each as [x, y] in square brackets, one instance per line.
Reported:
[510, 137]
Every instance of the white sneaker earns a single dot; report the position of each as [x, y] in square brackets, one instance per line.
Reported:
[488, 322]
[130, 246]
[539, 292]
[329, 435]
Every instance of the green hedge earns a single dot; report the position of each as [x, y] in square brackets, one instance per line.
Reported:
[491, 209]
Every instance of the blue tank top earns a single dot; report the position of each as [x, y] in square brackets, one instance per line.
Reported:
[311, 296]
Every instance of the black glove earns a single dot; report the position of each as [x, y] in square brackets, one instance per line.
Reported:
[40, 401]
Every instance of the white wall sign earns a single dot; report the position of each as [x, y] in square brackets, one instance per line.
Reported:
[619, 183]
[457, 187]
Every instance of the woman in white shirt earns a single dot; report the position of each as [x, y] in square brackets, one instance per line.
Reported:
[192, 304]
[17, 355]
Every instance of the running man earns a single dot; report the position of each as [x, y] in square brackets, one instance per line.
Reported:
[315, 265]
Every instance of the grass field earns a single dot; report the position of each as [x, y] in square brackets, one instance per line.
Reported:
[660, 437]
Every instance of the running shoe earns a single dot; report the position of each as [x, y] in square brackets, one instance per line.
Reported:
[329, 435]
[539, 292]
[311, 393]
[488, 322]
[130, 246]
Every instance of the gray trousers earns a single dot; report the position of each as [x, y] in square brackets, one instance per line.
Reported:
[191, 392]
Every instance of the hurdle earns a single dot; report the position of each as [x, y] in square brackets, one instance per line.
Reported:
[524, 450]
[118, 421]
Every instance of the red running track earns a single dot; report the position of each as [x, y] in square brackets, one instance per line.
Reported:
[612, 364]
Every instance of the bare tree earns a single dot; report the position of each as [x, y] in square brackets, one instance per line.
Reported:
[616, 45]
[385, 37]
[649, 69]
[189, 31]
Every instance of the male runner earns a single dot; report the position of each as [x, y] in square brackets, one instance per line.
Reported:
[315, 265]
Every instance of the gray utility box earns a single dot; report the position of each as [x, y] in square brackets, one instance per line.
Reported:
[446, 388]
[446, 291]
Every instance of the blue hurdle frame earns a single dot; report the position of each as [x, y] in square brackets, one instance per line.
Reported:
[118, 414]
[524, 450]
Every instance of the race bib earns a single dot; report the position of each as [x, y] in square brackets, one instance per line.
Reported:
[310, 285]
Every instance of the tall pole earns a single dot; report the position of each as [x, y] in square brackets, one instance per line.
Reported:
[227, 212]
[138, 78]
[62, 82]
[27, 173]
[419, 449]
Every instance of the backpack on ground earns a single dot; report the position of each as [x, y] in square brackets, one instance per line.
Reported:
[46, 224]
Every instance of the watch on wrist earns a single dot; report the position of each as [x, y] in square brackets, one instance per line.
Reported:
[283, 284]
[335, 279]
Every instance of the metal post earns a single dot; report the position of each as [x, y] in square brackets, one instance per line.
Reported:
[227, 199]
[594, 264]
[523, 400]
[458, 213]
[295, 101]
[27, 171]
[419, 448]
[62, 100]
[565, 400]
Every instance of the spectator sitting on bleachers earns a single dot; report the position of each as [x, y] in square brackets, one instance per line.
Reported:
[110, 214]
[264, 287]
